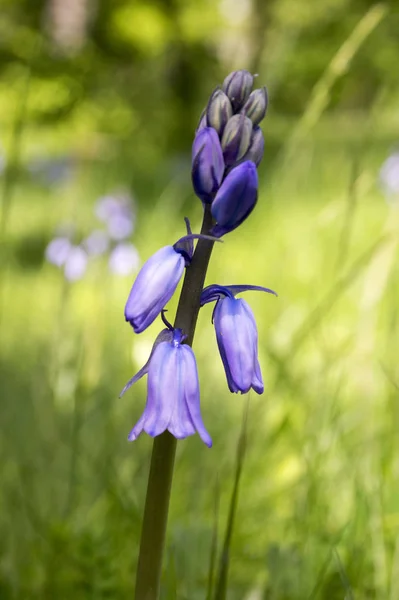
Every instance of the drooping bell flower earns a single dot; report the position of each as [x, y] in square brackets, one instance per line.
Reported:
[157, 281]
[173, 397]
[235, 199]
[207, 164]
[236, 335]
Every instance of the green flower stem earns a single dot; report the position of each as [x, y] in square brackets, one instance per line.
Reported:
[155, 518]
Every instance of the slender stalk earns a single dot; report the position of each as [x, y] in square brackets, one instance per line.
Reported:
[155, 518]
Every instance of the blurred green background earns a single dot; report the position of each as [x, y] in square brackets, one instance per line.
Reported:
[102, 97]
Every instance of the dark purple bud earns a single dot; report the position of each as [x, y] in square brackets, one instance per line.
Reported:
[256, 148]
[236, 138]
[256, 105]
[219, 111]
[238, 86]
[235, 199]
[207, 164]
[202, 122]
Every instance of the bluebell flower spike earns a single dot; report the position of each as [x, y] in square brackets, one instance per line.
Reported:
[236, 335]
[173, 397]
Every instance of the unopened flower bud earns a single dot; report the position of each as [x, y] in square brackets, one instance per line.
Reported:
[238, 86]
[256, 147]
[207, 164]
[236, 138]
[219, 111]
[256, 105]
[235, 199]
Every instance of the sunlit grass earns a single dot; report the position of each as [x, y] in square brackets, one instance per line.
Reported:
[318, 507]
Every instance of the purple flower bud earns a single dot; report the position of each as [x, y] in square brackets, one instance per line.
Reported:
[207, 164]
[154, 287]
[256, 147]
[256, 105]
[219, 111]
[76, 264]
[173, 398]
[236, 138]
[238, 86]
[237, 338]
[235, 199]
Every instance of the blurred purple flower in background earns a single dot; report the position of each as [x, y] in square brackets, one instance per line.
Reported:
[117, 214]
[124, 259]
[96, 243]
[389, 177]
[57, 251]
[52, 170]
[75, 264]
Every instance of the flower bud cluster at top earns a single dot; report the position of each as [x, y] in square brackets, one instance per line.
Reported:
[227, 149]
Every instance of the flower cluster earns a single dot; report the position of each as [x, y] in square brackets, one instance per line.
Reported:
[117, 215]
[227, 149]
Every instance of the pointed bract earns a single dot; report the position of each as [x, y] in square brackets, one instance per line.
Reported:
[154, 287]
[207, 164]
[235, 199]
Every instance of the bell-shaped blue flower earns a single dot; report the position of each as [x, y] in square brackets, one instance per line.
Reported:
[207, 164]
[173, 397]
[154, 287]
[235, 199]
[157, 281]
[237, 336]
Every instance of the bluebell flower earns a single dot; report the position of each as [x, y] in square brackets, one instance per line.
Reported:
[173, 397]
[157, 281]
[236, 335]
[207, 164]
[235, 199]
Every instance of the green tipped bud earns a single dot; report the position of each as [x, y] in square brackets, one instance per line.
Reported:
[219, 111]
[238, 86]
[256, 105]
[236, 138]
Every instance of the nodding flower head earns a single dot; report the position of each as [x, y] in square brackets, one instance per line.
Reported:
[236, 335]
[157, 281]
[173, 397]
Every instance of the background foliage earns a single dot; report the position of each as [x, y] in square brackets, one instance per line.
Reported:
[101, 97]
